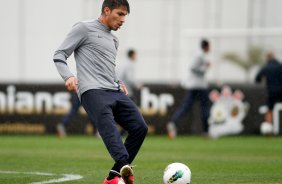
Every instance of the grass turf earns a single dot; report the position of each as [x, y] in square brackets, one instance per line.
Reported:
[226, 160]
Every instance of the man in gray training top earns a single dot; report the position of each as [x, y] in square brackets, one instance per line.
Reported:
[196, 90]
[127, 73]
[104, 97]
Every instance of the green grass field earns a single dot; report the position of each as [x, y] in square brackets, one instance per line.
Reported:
[223, 161]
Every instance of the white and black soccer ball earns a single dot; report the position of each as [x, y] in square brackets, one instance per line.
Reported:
[266, 128]
[177, 173]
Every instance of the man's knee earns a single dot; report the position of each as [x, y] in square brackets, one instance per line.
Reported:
[140, 128]
[144, 129]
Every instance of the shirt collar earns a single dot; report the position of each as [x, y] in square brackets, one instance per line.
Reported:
[103, 26]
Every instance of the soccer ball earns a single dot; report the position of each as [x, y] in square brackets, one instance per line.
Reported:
[177, 173]
[266, 128]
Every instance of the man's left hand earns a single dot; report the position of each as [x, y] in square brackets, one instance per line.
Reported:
[123, 89]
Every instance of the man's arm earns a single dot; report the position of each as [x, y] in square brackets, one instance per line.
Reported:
[129, 76]
[199, 67]
[259, 76]
[73, 40]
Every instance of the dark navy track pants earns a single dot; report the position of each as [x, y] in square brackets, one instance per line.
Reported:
[105, 108]
[75, 104]
[188, 101]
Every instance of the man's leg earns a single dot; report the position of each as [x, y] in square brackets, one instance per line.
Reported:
[268, 116]
[271, 99]
[99, 105]
[128, 116]
[205, 108]
[75, 104]
[61, 127]
[183, 109]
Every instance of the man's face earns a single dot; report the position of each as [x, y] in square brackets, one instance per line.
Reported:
[116, 17]
[207, 49]
[134, 57]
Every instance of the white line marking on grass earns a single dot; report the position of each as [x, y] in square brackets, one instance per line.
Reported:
[66, 177]
[30, 173]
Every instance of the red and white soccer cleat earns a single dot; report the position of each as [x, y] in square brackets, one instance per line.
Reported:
[171, 130]
[115, 180]
[126, 173]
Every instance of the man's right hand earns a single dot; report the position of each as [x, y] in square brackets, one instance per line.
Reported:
[71, 84]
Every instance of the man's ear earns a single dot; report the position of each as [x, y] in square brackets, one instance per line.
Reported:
[107, 11]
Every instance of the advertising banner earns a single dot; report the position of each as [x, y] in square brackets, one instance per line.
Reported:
[38, 108]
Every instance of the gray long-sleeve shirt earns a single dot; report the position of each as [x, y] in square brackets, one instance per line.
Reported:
[95, 49]
[198, 70]
[126, 73]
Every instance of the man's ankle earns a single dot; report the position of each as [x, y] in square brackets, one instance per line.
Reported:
[112, 174]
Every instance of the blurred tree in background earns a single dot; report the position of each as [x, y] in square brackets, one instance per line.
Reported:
[254, 58]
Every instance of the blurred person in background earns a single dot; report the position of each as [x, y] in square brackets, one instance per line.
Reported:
[197, 89]
[272, 73]
[67, 119]
[102, 95]
[127, 73]
[75, 104]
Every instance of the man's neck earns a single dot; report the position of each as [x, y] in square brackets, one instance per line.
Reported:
[102, 19]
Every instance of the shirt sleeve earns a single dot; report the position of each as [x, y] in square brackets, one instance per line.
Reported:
[199, 66]
[130, 75]
[259, 76]
[116, 77]
[74, 39]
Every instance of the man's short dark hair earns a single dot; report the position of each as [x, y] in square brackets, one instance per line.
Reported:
[130, 53]
[204, 44]
[113, 4]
